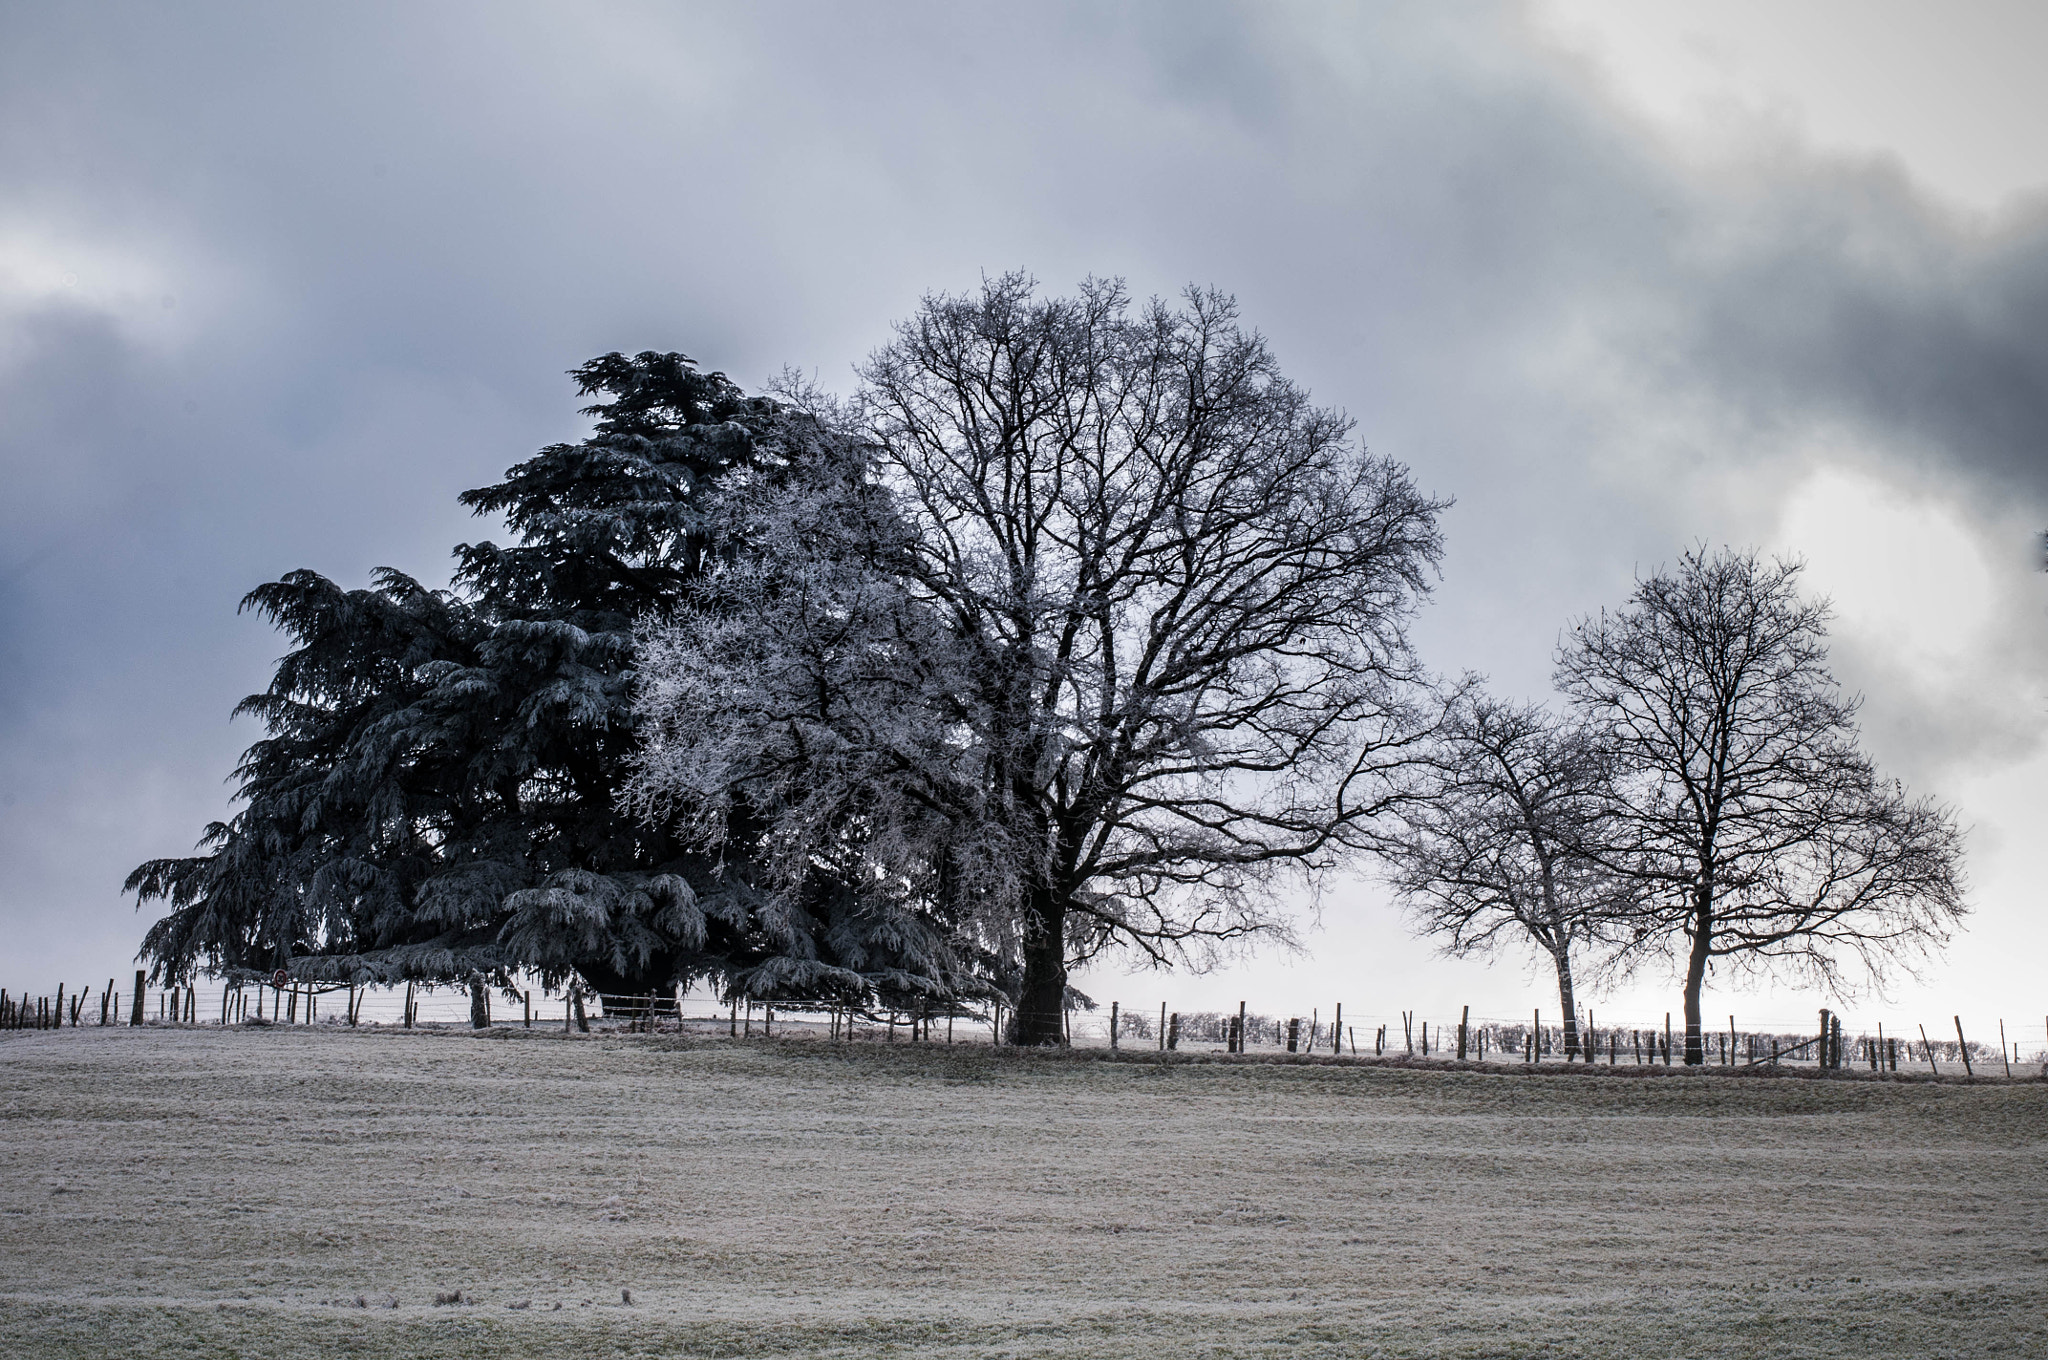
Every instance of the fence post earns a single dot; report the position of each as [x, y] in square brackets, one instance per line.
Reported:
[1963, 1047]
[1294, 1034]
[1464, 1024]
[1162, 1027]
[1240, 1026]
[135, 1018]
[2004, 1050]
[1337, 1032]
[1115, 1015]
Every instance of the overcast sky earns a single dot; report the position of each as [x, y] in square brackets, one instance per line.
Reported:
[278, 282]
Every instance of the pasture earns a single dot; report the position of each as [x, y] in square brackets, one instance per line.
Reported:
[314, 1191]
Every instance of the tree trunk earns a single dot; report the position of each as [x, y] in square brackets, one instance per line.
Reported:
[479, 1005]
[1695, 982]
[1569, 1002]
[1041, 1001]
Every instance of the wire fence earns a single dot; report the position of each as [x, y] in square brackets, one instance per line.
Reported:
[1829, 1041]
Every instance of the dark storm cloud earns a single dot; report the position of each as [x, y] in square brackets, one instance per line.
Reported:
[1861, 304]
[386, 233]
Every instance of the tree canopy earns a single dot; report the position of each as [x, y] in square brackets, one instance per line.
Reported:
[1498, 841]
[436, 795]
[1126, 638]
[1757, 832]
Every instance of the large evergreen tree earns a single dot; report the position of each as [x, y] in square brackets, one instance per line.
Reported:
[436, 794]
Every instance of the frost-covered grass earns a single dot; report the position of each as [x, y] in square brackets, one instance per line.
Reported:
[199, 1192]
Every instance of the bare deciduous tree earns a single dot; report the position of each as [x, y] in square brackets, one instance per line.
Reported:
[1135, 644]
[1494, 837]
[1758, 833]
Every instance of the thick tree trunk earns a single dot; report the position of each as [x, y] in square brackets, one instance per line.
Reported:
[1695, 983]
[1569, 1003]
[479, 1005]
[1041, 1001]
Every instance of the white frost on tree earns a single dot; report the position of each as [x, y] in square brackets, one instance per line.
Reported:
[1103, 630]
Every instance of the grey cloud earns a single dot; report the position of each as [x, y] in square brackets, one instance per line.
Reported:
[390, 230]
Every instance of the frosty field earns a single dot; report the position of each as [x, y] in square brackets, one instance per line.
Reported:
[234, 1193]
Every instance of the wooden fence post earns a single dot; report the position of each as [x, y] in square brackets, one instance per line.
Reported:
[135, 1017]
[2004, 1050]
[1963, 1046]
[1464, 1026]
[1928, 1048]
[1115, 1017]
[1337, 1032]
[1240, 1026]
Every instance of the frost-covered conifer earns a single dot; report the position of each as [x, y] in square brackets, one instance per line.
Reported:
[436, 795]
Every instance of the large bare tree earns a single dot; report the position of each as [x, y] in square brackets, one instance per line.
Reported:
[1759, 834]
[1128, 643]
[1180, 592]
[1496, 841]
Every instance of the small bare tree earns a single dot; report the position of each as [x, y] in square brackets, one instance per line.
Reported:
[1494, 842]
[1758, 834]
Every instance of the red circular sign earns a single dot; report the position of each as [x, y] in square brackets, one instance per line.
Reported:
[280, 978]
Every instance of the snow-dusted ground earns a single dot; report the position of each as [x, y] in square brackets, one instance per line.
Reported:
[209, 1192]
